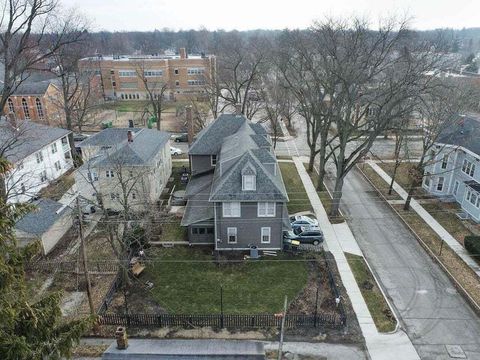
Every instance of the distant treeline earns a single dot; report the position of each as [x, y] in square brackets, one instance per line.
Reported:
[465, 41]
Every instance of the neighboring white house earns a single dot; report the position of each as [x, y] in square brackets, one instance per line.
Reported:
[128, 167]
[47, 223]
[454, 165]
[39, 154]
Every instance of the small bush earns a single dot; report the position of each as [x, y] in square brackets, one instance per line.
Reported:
[472, 244]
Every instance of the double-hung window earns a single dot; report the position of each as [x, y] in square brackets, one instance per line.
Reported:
[231, 209]
[109, 173]
[265, 235]
[441, 180]
[231, 235]
[266, 209]
[54, 148]
[39, 157]
[445, 161]
[468, 167]
[248, 183]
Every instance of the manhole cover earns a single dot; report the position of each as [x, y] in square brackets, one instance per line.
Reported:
[455, 352]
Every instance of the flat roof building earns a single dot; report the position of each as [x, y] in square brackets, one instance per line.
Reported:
[123, 76]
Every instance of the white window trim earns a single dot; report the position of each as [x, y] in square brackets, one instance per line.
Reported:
[231, 212]
[266, 214]
[456, 186]
[211, 160]
[254, 182]
[269, 235]
[442, 183]
[234, 229]
[468, 167]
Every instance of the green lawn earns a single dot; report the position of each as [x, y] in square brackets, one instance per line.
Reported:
[296, 192]
[378, 182]
[248, 287]
[376, 303]
[172, 231]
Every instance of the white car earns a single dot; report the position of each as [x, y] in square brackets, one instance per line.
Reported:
[175, 151]
[301, 220]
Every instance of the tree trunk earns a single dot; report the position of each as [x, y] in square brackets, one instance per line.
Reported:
[321, 170]
[409, 196]
[337, 195]
[311, 161]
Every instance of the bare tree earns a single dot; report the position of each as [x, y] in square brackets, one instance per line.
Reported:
[439, 109]
[373, 79]
[155, 88]
[300, 62]
[31, 33]
[240, 65]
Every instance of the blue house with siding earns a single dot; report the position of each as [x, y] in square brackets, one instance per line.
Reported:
[453, 169]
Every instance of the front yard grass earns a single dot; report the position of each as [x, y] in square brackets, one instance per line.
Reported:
[376, 303]
[183, 286]
[296, 191]
[378, 181]
[402, 177]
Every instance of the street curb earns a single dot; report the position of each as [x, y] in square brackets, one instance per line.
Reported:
[473, 304]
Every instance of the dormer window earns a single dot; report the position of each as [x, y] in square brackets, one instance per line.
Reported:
[248, 182]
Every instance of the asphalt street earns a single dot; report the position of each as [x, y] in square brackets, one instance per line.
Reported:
[435, 316]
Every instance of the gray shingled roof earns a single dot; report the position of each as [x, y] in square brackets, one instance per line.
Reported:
[465, 132]
[108, 137]
[228, 186]
[146, 144]
[209, 140]
[258, 128]
[473, 184]
[34, 87]
[42, 218]
[198, 207]
[29, 137]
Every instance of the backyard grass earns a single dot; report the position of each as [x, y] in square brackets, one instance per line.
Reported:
[296, 191]
[56, 189]
[172, 231]
[376, 303]
[250, 287]
[177, 169]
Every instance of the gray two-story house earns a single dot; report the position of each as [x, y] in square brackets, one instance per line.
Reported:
[236, 196]
[453, 168]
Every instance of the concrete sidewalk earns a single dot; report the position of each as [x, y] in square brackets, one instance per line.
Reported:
[439, 229]
[339, 239]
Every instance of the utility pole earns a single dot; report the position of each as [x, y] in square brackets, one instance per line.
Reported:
[280, 344]
[84, 259]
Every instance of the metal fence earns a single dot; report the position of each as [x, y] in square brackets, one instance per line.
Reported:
[323, 320]
[336, 292]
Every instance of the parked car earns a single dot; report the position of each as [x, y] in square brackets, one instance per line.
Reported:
[79, 137]
[179, 137]
[302, 220]
[175, 151]
[304, 235]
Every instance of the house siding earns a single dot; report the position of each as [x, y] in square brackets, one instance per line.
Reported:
[200, 164]
[452, 174]
[249, 227]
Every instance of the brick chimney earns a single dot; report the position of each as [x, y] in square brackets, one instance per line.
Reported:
[183, 53]
[121, 337]
[238, 109]
[129, 136]
[189, 120]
